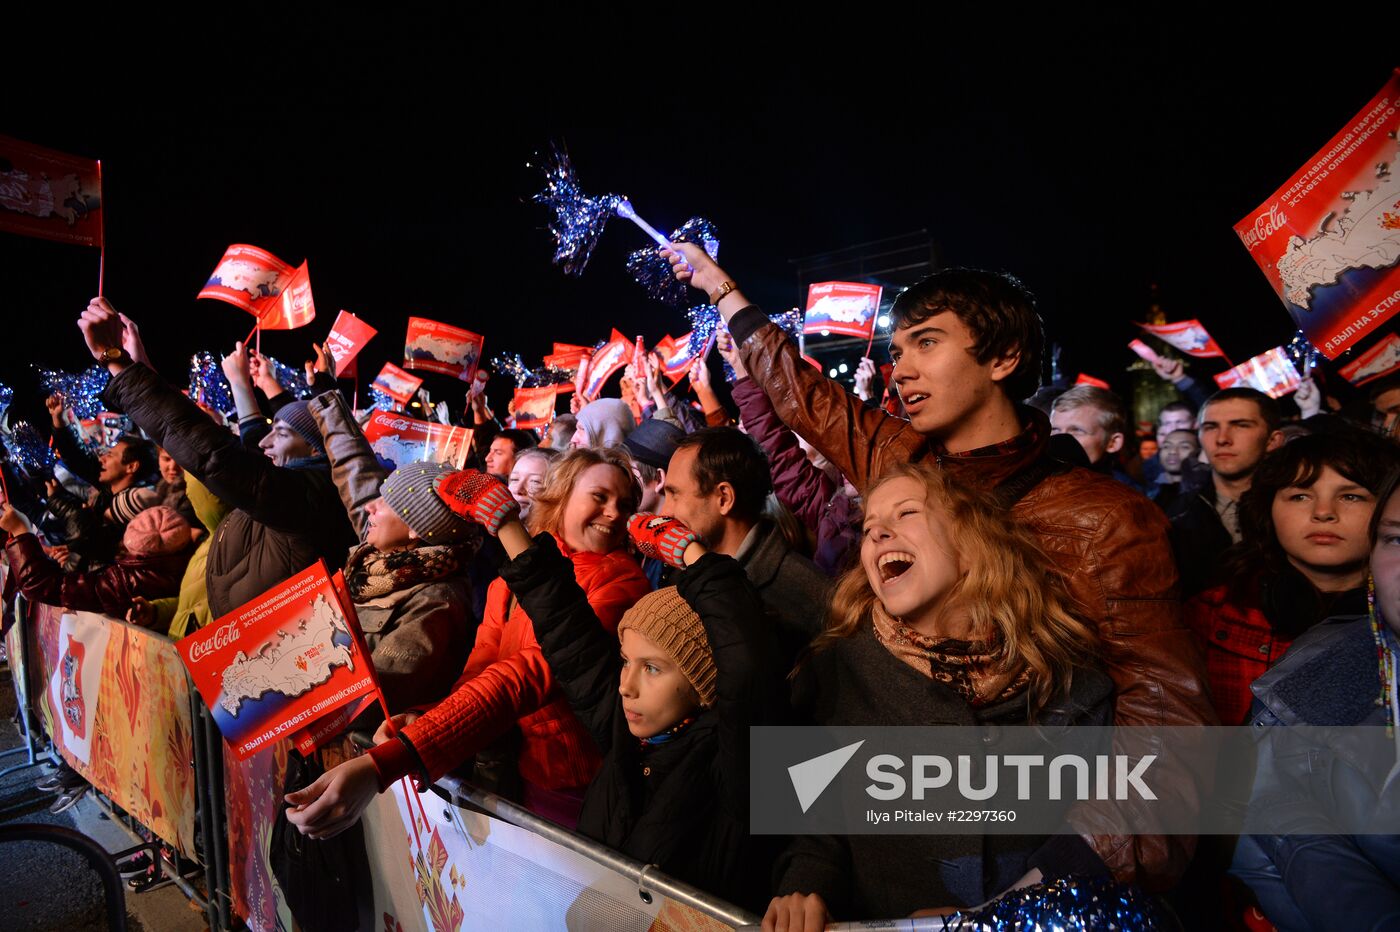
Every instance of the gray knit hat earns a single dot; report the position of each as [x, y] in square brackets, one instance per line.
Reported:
[297, 415]
[411, 490]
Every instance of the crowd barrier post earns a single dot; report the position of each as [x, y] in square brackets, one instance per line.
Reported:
[19, 671]
[209, 785]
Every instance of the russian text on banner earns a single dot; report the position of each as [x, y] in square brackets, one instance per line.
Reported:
[430, 346]
[1189, 336]
[1381, 359]
[348, 336]
[49, 194]
[1329, 240]
[277, 293]
[396, 383]
[275, 665]
[847, 308]
[1272, 373]
[399, 440]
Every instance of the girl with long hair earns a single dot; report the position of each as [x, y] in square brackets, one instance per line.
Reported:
[584, 506]
[953, 617]
[1301, 559]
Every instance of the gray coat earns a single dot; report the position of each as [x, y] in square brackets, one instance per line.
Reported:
[793, 589]
[419, 637]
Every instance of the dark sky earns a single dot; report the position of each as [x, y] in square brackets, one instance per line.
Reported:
[1094, 161]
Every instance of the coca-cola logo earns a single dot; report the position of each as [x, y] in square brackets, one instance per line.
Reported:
[1265, 225]
[222, 638]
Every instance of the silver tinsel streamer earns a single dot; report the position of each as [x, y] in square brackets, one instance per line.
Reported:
[525, 377]
[207, 383]
[82, 392]
[1303, 354]
[1066, 905]
[705, 322]
[653, 272]
[7, 395]
[293, 380]
[382, 401]
[578, 219]
[28, 448]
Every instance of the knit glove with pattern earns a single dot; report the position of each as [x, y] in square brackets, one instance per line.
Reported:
[661, 538]
[479, 497]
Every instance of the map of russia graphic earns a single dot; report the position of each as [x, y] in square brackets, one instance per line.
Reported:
[274, 666]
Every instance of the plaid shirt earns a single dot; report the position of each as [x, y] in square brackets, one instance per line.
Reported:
[1239, 643]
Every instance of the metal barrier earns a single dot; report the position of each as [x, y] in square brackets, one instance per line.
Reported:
[95, 854]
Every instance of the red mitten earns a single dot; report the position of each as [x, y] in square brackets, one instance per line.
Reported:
[480, 498]
[661, 538]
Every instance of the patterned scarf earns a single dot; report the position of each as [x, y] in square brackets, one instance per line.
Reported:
[371, 573]
[969, 667]
[649, 743]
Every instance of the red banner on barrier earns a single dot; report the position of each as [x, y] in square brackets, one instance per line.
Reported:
[534, 407]
[348, 336]
[431, 346]
[847, 308]
[1329, 239]
[255, 280]
[279, 663]
[398, 440]
[1272, 373]
[396, 383]
[49, 194]
[1381, 359]
[1189, 336]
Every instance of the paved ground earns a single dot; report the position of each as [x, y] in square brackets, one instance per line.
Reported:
[45, 887]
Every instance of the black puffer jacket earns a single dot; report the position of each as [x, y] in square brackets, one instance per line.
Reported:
[682, 805]
[284, 517]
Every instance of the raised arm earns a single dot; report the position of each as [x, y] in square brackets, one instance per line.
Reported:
[354, 467]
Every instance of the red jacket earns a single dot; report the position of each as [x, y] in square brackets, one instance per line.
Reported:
[506, 681]
[108, 590]
[1240, 646]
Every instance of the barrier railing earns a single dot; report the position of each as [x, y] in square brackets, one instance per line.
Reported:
[119, 707]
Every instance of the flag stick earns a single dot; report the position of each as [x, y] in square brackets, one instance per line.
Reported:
[249, 338]
[101, 230]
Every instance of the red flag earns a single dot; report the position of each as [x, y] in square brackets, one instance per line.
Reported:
[847, 308]
[534, 407]
[400, 440]
[1189, 336]
[1328, 240]
[253, 279]
[1086, 379]
[396, 383]
[431, 346]
[49, 194]
[610, 358]
[1272, 373]
[348, 336]
[283, 660]
[1381, 359]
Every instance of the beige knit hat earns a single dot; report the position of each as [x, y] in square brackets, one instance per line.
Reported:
[669, 622]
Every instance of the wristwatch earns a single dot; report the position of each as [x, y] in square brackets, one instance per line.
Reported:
[724, 288]
[112, 354]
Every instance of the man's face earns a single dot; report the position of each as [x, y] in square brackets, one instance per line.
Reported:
[1387, 405]
[282, 444]
[111, 467]
[1235, 437]
[1085, 424]
[699, 512]
[940, 383]
[500, 458]
[1169, 421]
[1179, 447]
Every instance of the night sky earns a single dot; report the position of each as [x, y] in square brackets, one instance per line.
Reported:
[1095, 162]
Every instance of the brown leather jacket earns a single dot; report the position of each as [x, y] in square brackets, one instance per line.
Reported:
[1109, 542]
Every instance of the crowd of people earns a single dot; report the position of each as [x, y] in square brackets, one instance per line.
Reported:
[587, 619]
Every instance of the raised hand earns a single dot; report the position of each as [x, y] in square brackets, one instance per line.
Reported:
[131, 340]
[693, 265]
[55, 404]
[662, 538]
[263, 374]
[724, 342]
[865, 377]
[102, 327]
[236, 366]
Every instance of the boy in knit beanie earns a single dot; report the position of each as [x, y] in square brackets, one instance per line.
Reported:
[668, 670]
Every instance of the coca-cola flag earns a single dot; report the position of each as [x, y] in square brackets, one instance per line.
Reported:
[277, 664]
[396, 383]
[534, 407]
[569, 361]
[847, 308]
[256, 281]
[1272, 373]
[1328, 240]
[1381, 359]
[431, 346]
[611, 357]
[49, 194]
[398, 440]
[571, 349]
[327, 727]
[1189, 336]
[348, 336]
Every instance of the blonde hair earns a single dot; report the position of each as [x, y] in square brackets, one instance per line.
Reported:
[548, 511]
[1008, 587]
